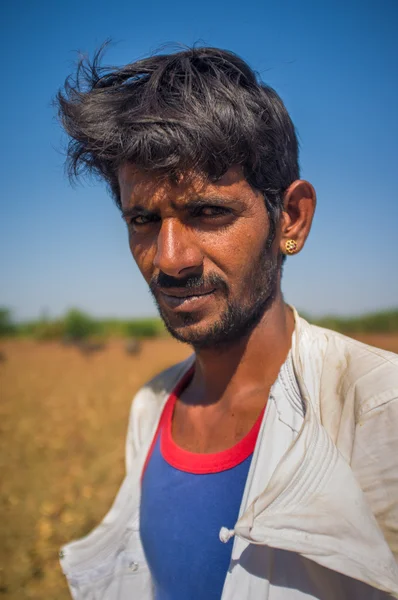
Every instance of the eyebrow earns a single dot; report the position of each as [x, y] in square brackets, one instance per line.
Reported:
[209, 200]
[139, 209]
[135, 210]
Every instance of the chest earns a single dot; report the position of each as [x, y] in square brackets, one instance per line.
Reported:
[181, 515]
[213, 429]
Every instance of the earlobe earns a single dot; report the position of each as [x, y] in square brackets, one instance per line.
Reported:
[299, 207]
[291, 246]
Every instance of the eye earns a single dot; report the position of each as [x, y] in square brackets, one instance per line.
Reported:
[211, 211]
[141, 220]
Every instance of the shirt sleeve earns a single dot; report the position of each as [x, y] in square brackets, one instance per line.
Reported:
[375, 464]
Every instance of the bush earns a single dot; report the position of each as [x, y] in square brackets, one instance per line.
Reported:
[7, 326]
[48, 330]
[143, 328]
[78, 325]
[381, 322]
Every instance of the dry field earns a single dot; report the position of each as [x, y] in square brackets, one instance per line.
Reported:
[63, 419]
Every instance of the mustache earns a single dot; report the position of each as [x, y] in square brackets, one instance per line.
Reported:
[164, 281]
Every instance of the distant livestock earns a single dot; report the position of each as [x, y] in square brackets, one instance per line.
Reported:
[89, 346]
[133, 346]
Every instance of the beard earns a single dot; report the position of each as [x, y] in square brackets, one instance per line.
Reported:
[240, 316]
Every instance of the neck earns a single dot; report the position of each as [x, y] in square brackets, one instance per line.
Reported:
[252, 364]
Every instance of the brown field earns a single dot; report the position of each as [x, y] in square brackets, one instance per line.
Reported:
[63, 419]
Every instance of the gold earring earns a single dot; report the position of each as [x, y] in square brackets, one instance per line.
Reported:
[290, 246]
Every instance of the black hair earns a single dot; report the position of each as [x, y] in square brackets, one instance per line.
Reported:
[201, 109]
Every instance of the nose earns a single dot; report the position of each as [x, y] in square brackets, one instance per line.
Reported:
[176, 251]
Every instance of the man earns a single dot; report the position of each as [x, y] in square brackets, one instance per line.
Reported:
[264, 465]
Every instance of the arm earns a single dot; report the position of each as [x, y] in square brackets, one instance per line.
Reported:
[375, 465]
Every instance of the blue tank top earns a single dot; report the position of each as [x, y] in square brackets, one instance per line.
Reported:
[186, 498]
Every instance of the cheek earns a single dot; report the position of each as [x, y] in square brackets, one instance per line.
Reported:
[234, 252]
[143, 255]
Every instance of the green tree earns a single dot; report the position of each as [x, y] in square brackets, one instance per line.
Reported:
[78, 325]
[7, 326]
[143, 328]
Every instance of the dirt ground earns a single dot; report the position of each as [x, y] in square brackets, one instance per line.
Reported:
[63, 419]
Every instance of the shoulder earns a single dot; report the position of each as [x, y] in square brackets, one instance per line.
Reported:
[355, 392]
[352, 367]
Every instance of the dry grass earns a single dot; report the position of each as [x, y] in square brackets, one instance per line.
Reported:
[63, 419]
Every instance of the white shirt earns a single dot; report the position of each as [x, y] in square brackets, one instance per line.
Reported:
[319, 514]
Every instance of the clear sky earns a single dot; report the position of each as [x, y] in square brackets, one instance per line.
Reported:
[333, 63]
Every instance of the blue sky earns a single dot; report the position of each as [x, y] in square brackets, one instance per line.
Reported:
[333, 63]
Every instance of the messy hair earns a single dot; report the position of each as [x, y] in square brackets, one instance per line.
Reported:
[201, 109]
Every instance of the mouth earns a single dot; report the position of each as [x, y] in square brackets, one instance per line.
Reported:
[189, 299]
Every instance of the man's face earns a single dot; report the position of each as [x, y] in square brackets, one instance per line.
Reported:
[204, 249]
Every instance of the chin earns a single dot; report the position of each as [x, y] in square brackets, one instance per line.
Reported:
[202, 336]
[190, 328]
[189, 331]
[223, 330]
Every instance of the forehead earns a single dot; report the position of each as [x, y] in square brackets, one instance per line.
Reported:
[150, 189]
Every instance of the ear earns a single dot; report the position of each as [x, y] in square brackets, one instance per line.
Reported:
[298, 210]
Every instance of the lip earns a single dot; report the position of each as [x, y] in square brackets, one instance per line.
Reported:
[186, 300]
